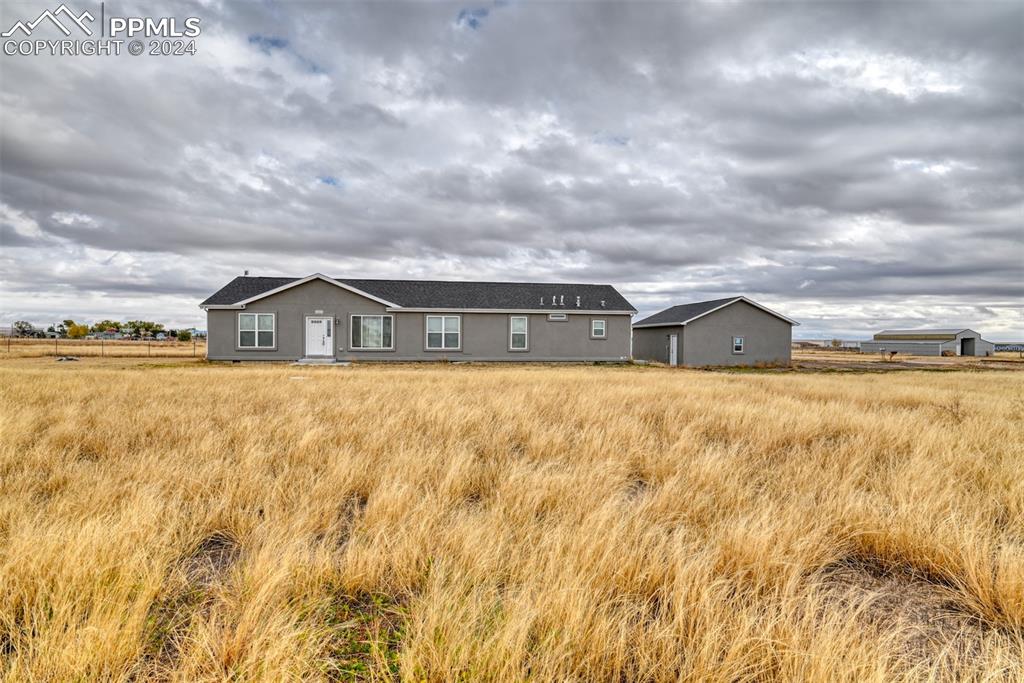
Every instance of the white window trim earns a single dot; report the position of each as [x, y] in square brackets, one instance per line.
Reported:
[742, 344]
[527, 332]
[256, 330]
[351, 327]
[604, 325]
[426, 333]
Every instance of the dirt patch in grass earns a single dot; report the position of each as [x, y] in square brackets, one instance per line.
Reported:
[186, 595]
[349, 512]
[931, 617]
[211, 559]
[367, 632]
[636, 486]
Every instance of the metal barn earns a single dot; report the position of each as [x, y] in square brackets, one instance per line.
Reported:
[929, 342]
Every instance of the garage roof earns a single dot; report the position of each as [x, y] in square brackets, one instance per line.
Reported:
[684, 313]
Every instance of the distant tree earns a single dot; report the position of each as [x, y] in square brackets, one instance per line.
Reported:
[78, 331]
[22, 328]
[104, 325]
[142, 328]
[134, 328]
[837, 343]
[184, 335]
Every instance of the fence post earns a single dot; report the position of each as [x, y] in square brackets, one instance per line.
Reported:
[101, 345]
[55, 346]
[194, 346]
[149, 348]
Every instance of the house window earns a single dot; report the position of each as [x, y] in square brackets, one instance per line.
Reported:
[373, 332]
[598, 329]
[256, 330]
[519, 327]
[737, 344]
[444, 332]
[558, 317]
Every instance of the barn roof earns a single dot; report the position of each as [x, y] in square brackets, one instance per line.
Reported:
[924, 334]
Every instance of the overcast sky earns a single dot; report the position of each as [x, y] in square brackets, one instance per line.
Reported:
[855, 166]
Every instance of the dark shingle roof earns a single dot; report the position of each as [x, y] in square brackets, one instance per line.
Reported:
[447, 294]
[683, 312]
[242, 288]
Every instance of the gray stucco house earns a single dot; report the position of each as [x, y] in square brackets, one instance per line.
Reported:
[323, 318]
[733, 331]
[930, 342]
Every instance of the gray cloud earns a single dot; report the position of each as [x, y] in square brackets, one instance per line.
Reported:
[853, 164]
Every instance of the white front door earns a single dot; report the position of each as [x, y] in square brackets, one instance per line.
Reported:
[673, 350]
[318, 336]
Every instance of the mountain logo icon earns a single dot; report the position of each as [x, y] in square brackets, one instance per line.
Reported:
[68, 15]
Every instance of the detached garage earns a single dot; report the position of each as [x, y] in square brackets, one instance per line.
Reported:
[932, 342]
[733, 331]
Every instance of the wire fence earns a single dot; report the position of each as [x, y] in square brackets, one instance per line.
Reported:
[25, 347]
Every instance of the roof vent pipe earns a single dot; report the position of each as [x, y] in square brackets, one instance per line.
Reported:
[542, 301]
[562, 301]
[602, 303]
[246, 272]
[577, 302]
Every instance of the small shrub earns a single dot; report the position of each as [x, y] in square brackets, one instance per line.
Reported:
[954, 409]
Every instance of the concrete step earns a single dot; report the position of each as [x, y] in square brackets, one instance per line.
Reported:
[320, 361]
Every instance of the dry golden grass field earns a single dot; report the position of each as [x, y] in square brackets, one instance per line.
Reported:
[186, 521]
[830, 359]
[21, 347]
